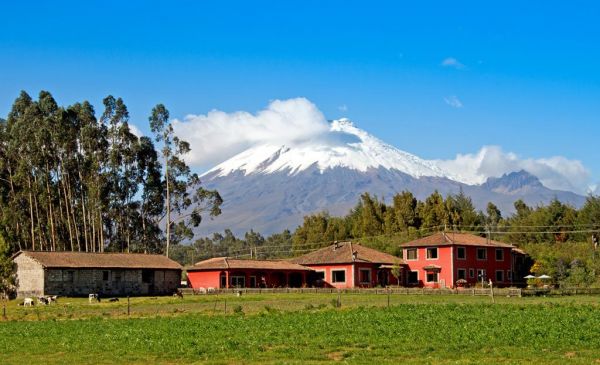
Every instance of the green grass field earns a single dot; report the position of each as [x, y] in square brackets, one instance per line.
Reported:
[306, 328]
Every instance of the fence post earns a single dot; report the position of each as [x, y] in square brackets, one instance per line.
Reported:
[4, 310]
[339, 302]
[128, 307]
[225, 305]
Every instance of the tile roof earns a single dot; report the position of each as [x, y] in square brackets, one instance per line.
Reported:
[451, 238]
[224, 263]
[100, 260]
[342, 253]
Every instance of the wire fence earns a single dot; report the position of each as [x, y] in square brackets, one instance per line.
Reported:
[277, 300]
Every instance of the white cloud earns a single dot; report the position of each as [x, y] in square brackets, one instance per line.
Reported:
[491, 161]
[343, 108]
[452, 62]
[453, 101]
[218, 135]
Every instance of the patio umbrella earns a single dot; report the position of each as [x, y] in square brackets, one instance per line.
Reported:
[529, 277]
[544, 277]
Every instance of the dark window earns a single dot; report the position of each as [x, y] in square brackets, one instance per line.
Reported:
[462, 274]
[500, 275]
[147, 276]
[499, 254]
[413, 277]
[223, 281]
[338, 276]
[461, 253]
[320, 275]
[432, 277]
[432, 253]
[411, 254]
[482, 254]
[105, 275]
[472, 273]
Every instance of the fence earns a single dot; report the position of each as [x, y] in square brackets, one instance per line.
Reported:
[383, 291]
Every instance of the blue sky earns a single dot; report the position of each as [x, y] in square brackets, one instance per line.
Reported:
[524, 77]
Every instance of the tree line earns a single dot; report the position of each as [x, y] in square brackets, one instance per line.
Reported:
[385, 226]
[74, 181]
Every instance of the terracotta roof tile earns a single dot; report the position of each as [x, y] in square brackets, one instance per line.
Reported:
[223, 263]
[101, 260]
[451, 238]
[342, 253]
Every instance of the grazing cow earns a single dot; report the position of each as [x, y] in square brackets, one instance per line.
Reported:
[52, 298]
[93, 298]
[179, 294]
[28, 302]
[42, 300]
[112, 300]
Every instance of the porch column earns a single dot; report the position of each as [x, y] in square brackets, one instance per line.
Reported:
[287, 279]
[226, 279]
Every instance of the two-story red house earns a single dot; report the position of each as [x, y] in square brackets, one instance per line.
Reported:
[442, 259]
[351, 265]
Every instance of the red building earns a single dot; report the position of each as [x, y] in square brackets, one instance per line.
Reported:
[442, 259]
[350, 265]
[224, 272]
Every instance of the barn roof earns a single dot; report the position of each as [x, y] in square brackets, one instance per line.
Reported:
[225, 263]
[344, 253]
[451, 238]
[88, 260]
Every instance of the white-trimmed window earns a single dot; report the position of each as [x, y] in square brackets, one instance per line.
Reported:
[411, 254]
[461, 253]
[499, 254]
[472, 273]
[461, 274]
[413, 277]
[499, 276]
[481, 254]
[432, 277]
[364, 276]
[432, 253]
[338, 276]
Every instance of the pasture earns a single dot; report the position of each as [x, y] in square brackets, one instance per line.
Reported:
[306, 328]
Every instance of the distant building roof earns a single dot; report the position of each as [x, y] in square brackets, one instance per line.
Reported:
[226, 263]
[88, 260]
[451, 238]
[346, 252]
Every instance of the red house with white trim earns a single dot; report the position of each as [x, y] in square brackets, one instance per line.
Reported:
[442, 259]
[351, 265]
[225, 272]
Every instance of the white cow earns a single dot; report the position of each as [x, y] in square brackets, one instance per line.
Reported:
[28, 302]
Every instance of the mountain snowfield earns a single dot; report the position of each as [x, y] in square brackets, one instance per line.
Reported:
[345, 146]
[271, 187]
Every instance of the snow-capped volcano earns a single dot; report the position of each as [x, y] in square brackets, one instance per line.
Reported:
[344, 146]
[270, 187]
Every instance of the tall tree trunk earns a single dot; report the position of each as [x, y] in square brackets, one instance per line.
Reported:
[168, 206]
[31, 214]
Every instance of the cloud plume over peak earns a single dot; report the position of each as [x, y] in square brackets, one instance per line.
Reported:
[218, 135]
[491, 161]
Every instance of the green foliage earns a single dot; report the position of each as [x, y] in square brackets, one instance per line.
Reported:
[7, 269]
[70, 181]
[441, 333]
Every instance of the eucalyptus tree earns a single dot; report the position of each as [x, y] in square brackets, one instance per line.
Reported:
[184, 194]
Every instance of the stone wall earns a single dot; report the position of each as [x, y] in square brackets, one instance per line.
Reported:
[30, 277]
[111, 282]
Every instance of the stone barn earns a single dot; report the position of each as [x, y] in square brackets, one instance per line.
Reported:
[108, 274]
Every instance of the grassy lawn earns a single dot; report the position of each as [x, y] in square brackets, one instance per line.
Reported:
[305, 328]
